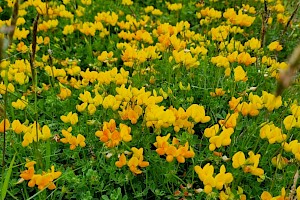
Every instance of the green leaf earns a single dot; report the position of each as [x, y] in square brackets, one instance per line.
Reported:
[7, 178]
[104, 197]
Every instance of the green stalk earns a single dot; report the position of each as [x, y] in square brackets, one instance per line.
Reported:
[7, 178]
[4, 118]
[11, 31]
[34, 84]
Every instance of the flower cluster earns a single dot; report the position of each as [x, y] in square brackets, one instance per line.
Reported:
[88, 102]
[70, 118]
[43, 180]
[272, 133]
[34, 133]
[292, 120]
[206, 175]
[136, 161]
[238, 18]
[294, 147]
[174, 150]
[217, 139]
[249, 165]
[111, 136]
[72, 140]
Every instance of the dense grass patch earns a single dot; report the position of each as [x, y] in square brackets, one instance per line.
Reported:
[149, 99]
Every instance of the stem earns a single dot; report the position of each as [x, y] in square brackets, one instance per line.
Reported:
[265, 17]
[34, 85]
[4, 124]
[10, 40]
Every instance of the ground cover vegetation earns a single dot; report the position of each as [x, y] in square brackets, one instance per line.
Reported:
[149, 99]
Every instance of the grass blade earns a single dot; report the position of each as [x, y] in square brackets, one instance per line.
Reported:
[7, 178]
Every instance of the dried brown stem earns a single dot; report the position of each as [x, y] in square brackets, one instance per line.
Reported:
[293, 188]
[33, 45]
[13, 22]
[265, 17]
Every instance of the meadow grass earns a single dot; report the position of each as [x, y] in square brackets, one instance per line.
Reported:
[149, 99]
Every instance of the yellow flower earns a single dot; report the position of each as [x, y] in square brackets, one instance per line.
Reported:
[28, 174]
[174, 7]
[230, 120]
[279, 161]
[233, 103]
[197, 112]
[17, 127]
[218, 92]
[20, 34]
[298, 192]
[162, 144]
[127, 2]
[240, 74]
[289, 122]
[149, 9]
[92, 109]
[245, 58]
[81, 107]
[70, 118]
[223, 178]
[275, 46]
[111, 136]
[205, 174]
[272, 133]
[68, 29]
[270, 101]
[212, 131]
[10, 88]
[64, 93]
[253, 43]
[156, 12]
[238, 159]
[187, 88]
[20, 104]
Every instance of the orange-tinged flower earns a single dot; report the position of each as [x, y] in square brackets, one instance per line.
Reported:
[162, 143]
[233, 103]
[64, 93]
[171, 153]
[133, 165]
[266, 196]
[7, 125]
[122, 161]
[28, 174]
[245, 58]
[80, 140]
